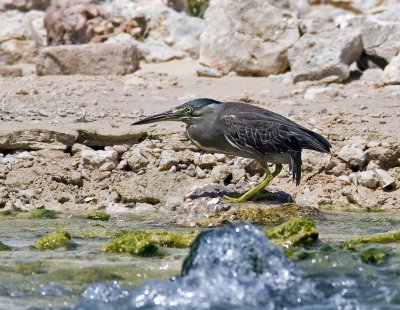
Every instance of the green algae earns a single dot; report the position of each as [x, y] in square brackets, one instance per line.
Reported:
[149, 243]
[5, 213]
[97, 216]
[295, 232]
[54, 240]
[198, 7]
[4, 247]
[261, 214]
[376, 238]
[38, 214]
[374, 256]
[96, 234]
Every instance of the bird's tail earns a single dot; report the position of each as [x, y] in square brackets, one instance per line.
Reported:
[295, 166]
[314, 141]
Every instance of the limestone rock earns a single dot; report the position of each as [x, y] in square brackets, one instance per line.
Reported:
[372, 75]
[353, 155]
[380, 38]
[391, 74]
[24, 5]
[137, 158]
[368, 179]
[220, 173]
[384, 178]
[167, 160]
[98, 158]
[328, 54]
[238, 38]
[91, 59]
[153, 51]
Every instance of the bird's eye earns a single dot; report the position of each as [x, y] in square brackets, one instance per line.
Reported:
[189, 110]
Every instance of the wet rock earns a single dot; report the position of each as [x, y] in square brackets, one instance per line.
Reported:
[380, 38]
[328, 54]
[391, 74]
[354, 155]
[393, 236]
[98, 158]
[384, 178]
[149, 243]
[4, 247]
[236, 38]
[54, 240]
[368, 179]
[91, 59]
[97, 216]
[294, 232]
[39, 214]
[236, 264]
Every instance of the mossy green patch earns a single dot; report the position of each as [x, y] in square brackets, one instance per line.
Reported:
[38, 214]
[5, 213]
[377, 238]
[98, 216]
[262, 214]
[198, 7]
[4, 247]
[295, 232]
[54, 240]
[374, 256]
[96, 234]
[149, 243]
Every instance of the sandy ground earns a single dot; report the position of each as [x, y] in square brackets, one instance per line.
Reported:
[98, 111]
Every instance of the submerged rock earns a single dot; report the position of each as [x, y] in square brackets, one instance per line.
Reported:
[374, 256]
[377, 238]
[294, 232]
[98, 216]
[54, 240]
[38, 214]
[149, 243]
[4, 247]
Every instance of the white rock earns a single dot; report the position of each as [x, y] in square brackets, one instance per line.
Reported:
[344, 179]
[372, 75]
[153, 51]
[391, 74]
[220, 173]
[327, 54]
[220, 157]
[368, 179]
[384, 178]
[200, 173]
[250, 37]
[167, 160]
[353, 155]
[107, 166]
[137, 158]
[98, 158]
[318, 93]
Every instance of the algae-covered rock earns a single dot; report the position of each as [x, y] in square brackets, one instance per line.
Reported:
[149, 243]
[5, 213]
[4, 247]
[54, 240]
[294, 232]
[38, 214]
[374, 256]
[98, 216]
[261, 214]
[377, 238]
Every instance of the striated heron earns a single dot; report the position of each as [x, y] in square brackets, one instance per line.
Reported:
[248, 131]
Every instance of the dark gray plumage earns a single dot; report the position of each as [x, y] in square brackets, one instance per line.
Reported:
[246, 130]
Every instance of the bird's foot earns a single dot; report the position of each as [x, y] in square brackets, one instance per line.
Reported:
[236, 200]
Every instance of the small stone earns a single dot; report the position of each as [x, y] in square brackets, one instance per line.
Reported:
[213, 201]
[208, 72]
[353, 155]
[200, 173]
[121, 148]
[344, 179]
[372, 75]
[220, 173]
[220, 157]
[76, 178]
[98, 158]
[172, 169]
[368, 179]
[391, 74]
[318, 93]
[78, 148]
[167, 160]
[108, 166]
[122, 165]
[384, 178]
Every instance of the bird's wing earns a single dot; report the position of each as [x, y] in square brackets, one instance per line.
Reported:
[262, 133]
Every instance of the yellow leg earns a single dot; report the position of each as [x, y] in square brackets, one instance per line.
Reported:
[268, 177]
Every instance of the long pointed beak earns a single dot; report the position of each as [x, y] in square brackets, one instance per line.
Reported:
[165, 116]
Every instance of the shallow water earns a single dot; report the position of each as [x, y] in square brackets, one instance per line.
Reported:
[32, 279]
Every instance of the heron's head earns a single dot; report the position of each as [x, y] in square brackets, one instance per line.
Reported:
[188, 112]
